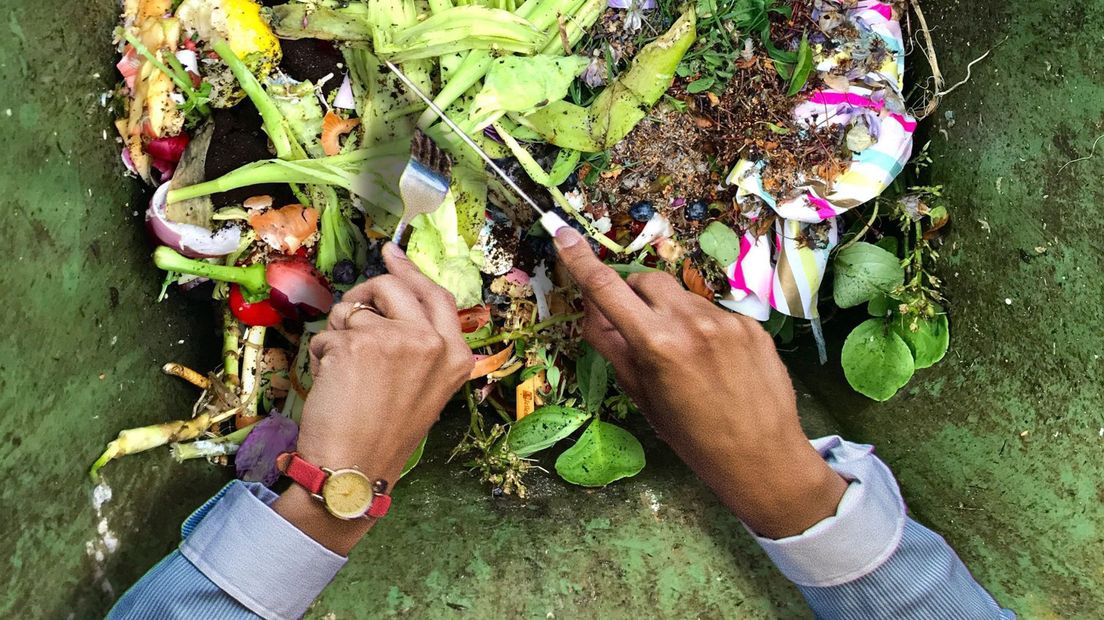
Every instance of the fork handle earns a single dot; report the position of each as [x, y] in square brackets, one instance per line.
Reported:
[399, 230]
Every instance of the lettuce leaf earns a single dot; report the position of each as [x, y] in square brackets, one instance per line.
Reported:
[523, 85]
[438, 249]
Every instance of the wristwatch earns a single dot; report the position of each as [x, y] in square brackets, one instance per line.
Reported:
[346, 493]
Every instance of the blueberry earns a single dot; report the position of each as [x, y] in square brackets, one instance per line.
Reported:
[571, 182]
[374, 265]
[696, 210]
[344, 272]
[642, 211]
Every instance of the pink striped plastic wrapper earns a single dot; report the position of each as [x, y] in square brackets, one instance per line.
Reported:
[781, 270]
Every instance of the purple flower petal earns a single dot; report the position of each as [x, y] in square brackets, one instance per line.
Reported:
[624, 4]
[256, 458]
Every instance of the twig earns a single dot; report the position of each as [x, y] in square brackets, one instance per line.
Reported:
[526, 331]
[859, 235]
[933, 61]
[1092, 152]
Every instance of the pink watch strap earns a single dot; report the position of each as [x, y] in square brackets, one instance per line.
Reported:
[308, 475]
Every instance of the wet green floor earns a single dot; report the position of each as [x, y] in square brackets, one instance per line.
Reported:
[82, 341]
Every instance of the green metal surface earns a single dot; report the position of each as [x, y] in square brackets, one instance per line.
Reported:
[82, 342]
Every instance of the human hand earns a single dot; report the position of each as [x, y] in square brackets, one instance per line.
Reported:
[713, 387]
[381, 378]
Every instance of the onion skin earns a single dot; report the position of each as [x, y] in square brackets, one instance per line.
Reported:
[297, 289]
[188, 239]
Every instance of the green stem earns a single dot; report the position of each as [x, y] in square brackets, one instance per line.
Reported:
[475, 425]
[861, 233]
[270, 114]
[251, 369]
[185, 86]
[215, 446]
[231, 340]
[251, 278]
[339, 170]
[525, 331]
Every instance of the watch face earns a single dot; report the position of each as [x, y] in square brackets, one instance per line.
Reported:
[347, 494]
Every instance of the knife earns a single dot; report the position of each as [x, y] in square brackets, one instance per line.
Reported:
[550, 220]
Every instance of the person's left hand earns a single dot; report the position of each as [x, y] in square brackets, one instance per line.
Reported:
[390, 359]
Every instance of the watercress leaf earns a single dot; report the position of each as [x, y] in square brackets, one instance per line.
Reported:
[774, 322]
[862, 271]
[889, 244]
[879, 306]
[592, 373]
[603, 454]
[700, 85]
[721, 243]
[876, 361]
[414, 459]
[802, 69]
[929, 342]
[543, 428]
[530, 371]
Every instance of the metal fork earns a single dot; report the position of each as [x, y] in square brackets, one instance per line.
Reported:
[424, 182]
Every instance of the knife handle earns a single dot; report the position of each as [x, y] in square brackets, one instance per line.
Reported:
[552, 222]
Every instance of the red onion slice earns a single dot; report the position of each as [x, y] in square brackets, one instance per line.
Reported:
[298, 289]
[188, 239]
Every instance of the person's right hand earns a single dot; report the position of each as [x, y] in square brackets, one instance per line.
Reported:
[713, 387]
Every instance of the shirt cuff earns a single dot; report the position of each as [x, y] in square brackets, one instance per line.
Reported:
[864, 532]
[256, 556]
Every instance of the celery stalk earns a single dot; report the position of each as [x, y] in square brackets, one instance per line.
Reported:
[274, 124]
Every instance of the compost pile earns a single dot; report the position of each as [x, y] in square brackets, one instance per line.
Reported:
[726, 143]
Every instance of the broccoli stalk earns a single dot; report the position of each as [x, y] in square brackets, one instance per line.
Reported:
[250, 278]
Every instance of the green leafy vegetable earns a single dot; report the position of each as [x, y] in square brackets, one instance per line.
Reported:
[721, 243]
[876, 361]
[930, 340]
[603, 454]
[566, 161]
[592, 373]
[700, 85]
[862, 271]
[523, 85]
[462, 28]
[301, 110]
[543, 428]
[803, 68]
[439, 251]
[624, 103]
[414, 459]
[880, 306]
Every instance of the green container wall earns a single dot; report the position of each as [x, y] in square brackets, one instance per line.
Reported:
[83, 339]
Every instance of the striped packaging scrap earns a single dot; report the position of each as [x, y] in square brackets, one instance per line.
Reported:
[787, 274]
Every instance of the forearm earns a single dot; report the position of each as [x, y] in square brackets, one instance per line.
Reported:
[869, 560]
[239, 558]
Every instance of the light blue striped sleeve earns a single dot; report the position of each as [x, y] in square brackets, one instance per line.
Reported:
[238, 559]
[870, 561]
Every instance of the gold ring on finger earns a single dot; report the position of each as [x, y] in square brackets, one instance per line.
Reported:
[357, 307]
